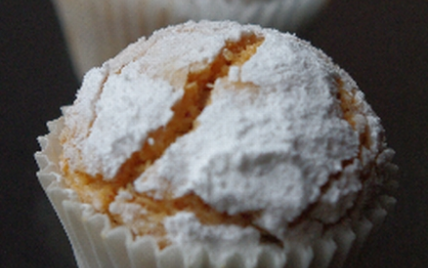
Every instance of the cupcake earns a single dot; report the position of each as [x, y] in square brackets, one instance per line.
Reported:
[96, 30]
[214, 144]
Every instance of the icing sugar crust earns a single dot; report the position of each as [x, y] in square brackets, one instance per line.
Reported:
[273, 138]
[108, 123]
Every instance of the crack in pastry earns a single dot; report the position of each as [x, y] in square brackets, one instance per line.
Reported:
[351, 110]
[196, 95]
[94, 189]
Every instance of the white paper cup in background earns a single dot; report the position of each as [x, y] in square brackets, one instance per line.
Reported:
[96, 30]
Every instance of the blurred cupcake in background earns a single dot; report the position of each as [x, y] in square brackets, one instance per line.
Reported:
[96, 30]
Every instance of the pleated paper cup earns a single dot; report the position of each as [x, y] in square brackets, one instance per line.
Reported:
[99, 243]
[96, 30]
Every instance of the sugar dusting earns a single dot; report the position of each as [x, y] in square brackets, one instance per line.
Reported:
[271, 137]
[220, 241]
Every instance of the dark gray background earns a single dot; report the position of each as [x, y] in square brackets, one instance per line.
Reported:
[382, 44]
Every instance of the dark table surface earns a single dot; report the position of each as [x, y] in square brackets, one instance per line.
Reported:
[382, 44]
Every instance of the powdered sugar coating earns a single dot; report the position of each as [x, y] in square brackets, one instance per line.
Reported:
[268, 149]
[126, 103]
[131, 95]
[272, 136]
[220, 241]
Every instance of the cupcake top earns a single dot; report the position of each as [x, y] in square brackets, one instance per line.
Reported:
[218, 134]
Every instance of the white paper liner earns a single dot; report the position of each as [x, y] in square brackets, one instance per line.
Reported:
[96, 30]
[97, 244]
